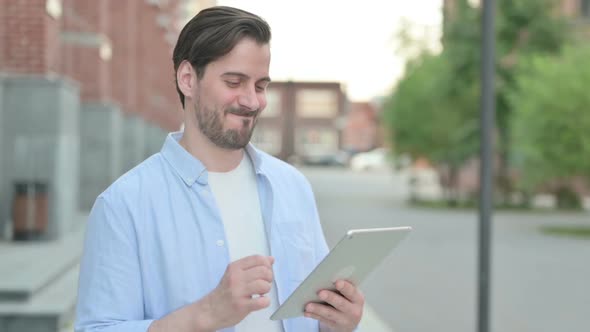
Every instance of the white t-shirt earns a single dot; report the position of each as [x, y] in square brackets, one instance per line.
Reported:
[236, 194]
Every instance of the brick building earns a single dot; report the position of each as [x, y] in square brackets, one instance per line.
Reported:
[302, 119]
[362, 130]
[86, 92]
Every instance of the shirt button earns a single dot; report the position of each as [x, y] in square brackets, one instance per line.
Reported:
[189, 180]
[220, 243]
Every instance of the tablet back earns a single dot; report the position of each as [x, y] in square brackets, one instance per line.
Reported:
[353, 258]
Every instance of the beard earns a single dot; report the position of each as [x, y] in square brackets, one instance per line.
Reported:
[211, 125]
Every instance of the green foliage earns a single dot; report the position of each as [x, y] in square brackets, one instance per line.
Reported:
[552, 117]
[524, 28]
[434, 111]
[529, 26]
[427, 118]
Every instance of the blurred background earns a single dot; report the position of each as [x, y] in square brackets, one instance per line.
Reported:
[377, 102]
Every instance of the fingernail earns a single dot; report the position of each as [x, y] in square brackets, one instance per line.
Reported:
[323, 295]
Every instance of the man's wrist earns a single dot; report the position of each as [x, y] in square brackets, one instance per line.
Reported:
[202, 316]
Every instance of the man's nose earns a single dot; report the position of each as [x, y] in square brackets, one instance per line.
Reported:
[248, 99]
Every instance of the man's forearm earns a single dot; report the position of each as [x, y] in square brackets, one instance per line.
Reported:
[191, 318]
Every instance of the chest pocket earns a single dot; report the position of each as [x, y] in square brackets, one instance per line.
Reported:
[299, 249]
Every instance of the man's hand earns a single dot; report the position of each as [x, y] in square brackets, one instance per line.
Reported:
[345, 311]
[240, 291]
[229, 303]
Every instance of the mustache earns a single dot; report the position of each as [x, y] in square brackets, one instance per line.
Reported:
[242, 112]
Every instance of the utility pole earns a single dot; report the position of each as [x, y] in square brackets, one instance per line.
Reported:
[486, 167]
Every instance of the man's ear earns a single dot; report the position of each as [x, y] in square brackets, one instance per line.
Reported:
[186, 77]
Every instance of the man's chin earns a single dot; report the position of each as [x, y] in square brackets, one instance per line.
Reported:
[235, 140]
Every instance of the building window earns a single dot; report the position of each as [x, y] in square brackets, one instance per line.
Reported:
[317, 103]
[316, 141]
[273, 104]
[585, 8]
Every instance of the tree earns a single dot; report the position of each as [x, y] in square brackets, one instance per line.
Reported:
[525, 28]
[551, 125]
[445, 88]
[433, 111]
[429, 120]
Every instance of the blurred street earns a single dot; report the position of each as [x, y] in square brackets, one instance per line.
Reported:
[539, 283]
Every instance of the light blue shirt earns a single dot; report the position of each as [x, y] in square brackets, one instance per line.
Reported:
[155, 240]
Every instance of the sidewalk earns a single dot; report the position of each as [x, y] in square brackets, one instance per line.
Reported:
[39, 282]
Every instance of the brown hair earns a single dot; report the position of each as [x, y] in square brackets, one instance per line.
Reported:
[213, 33]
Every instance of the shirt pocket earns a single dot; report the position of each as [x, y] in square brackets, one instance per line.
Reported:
[299, 250]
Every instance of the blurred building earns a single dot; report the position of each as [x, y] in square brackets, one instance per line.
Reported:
[578, 12]
[86, 92]
[362, 131]
[302, 120]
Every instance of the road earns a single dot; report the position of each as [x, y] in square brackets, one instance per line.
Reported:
[539, 282]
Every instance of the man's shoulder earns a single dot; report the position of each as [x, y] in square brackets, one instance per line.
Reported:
[136, 180]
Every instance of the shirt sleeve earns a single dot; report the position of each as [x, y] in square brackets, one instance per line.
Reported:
[110, 290]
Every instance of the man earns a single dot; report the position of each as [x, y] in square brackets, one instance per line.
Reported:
[183, 242]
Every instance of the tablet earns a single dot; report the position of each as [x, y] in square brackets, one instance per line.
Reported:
[352, 259]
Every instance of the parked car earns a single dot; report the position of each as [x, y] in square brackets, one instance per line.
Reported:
[376, 159]
[424, 184]
[337, 159]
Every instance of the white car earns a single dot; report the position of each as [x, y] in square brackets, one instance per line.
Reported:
[372, 160]
[425, 184]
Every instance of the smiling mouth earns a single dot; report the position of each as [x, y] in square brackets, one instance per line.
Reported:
[247, 114]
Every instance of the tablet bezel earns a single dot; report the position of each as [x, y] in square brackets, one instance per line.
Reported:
[337, 265]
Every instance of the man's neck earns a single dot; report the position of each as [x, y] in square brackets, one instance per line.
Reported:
[214, 158]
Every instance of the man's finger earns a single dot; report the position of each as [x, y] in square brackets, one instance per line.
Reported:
[258, 272]
[311, 315]
[325, 313]
[259, 287]
[257, 303]
[336, 300]
[253, 261]
[350, 291]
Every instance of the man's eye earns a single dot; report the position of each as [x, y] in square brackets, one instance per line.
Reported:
[260, 88]
[232, 84]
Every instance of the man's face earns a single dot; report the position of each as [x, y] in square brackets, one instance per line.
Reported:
[232, 93]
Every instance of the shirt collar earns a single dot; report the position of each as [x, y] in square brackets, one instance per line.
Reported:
[191, 169]
[255, 157]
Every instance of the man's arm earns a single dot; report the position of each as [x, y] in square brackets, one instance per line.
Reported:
[110, 293]
[229, 303]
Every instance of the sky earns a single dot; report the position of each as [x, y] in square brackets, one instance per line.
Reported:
[352, 42]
